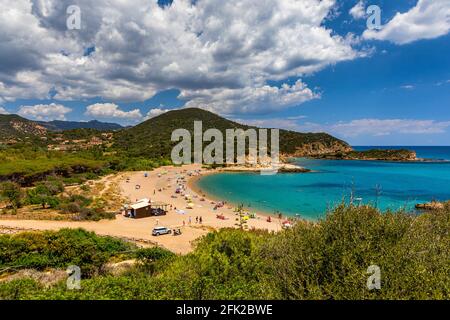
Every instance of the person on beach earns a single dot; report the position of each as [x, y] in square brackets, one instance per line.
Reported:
[190, 221]
[201, 220]
[184, 223]
[196, 219]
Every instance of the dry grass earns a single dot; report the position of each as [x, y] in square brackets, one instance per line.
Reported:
[47, 278]
[34, 212]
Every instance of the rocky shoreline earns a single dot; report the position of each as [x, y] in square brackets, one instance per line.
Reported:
[433, 205]
[286, 166]
[400, 155]
[282, 168]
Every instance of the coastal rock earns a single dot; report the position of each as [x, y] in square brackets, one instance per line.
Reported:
[317, 148]
[401, 155]
[256, 165]
[290, 168]
[282, 168]
[433, 205]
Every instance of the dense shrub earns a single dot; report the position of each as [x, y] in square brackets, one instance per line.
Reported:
[152, 260]
[12, 193]
[329, 260]
[83, 208]
[28, 165]
[60, 249]
[19, 289]
[45, 194]
[226, 265]
[324, 260]
[94, 215]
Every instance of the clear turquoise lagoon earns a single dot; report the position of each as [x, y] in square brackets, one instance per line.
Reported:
[308, 195]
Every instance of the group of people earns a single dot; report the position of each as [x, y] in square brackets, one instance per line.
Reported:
[198, 219]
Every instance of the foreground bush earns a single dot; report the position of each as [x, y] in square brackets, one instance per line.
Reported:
[83, 208]
[40, 250]
[225, 265]
[324, 260]
[329, 260]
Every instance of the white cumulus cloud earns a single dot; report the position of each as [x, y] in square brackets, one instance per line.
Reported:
[3, 111]
[356, 128]
[213, 51]
[111, 110]
[383, 127]
[44, 112]
[429, 19]
[250, 100]
[156, 112]
[359, 10]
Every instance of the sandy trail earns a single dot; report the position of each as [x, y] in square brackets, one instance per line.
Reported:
[159, 186]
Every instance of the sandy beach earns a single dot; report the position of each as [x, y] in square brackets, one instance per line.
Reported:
[160, 186]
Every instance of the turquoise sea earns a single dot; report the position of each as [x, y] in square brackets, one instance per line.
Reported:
[384, 184]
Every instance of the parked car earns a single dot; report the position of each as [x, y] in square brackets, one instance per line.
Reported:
[158, 212]
[158, 231]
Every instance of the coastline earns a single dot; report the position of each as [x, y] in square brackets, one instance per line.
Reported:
[192, 184]
[159, 186]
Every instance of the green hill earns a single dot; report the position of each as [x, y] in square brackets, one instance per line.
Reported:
[152, 138]
[58, 125]
[14, 128]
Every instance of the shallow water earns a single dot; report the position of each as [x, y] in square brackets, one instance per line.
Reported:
[388, 185]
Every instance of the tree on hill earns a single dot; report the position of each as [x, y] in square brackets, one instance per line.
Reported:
[11, 192]
[45, 194]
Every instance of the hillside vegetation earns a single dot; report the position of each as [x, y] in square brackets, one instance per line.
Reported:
[324, 260]
[30, 151]
[374, 154]
[152, 138]
[14, 128]
[59, 249]
[25, 164]
[58, 125]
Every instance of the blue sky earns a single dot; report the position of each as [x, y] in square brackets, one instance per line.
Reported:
[386, 88]
[396, 82]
